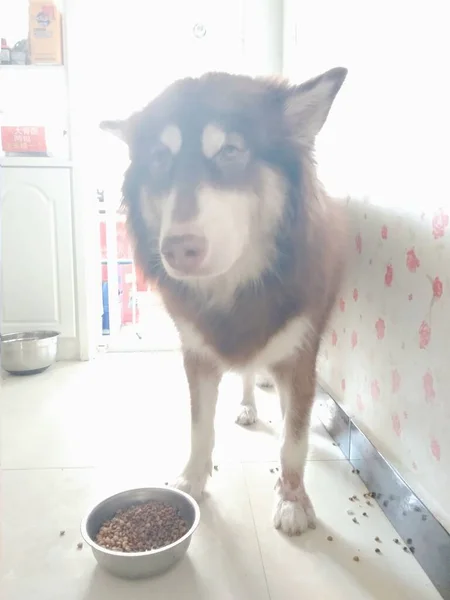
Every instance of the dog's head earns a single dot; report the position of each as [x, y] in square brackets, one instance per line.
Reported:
[213, 161]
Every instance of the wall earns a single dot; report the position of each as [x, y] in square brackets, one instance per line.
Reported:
[385, 357]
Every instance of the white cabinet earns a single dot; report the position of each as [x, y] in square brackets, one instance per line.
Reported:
[37, 271]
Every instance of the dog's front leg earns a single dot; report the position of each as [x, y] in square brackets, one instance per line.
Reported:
[203, 378]
[295, 378]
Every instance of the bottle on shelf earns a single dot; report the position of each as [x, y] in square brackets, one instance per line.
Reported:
[45, 33]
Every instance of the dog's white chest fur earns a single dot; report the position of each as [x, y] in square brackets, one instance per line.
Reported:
[293, 336]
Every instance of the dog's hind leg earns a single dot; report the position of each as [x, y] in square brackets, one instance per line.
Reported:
[247, 413]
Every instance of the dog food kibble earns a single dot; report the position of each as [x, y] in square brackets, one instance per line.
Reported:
[142, 527]
[330, 538]
[216, 468]
[62, 533]
[397, 541]
[79, 545]
[377, 550]
[409, 541]
[356, 558]
[377, 539]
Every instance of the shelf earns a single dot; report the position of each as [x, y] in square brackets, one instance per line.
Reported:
[30, 161]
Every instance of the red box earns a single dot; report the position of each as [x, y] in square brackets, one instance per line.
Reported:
[24, 140]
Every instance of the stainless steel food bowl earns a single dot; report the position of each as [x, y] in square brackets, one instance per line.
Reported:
[28, 352]
[137, 565]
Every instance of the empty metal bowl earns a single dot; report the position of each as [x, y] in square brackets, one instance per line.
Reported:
[137, 565]
[28, 352]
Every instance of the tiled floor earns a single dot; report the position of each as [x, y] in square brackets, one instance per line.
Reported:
[80, 431]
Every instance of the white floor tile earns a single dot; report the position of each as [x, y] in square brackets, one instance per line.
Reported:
[223, 561]
[314, 567]
[129, 407]
[80, 431]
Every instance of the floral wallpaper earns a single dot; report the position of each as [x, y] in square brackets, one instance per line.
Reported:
[386, 357]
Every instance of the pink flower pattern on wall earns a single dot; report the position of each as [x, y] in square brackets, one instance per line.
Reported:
[440, 223]
[389, 275]
[412, 262]
[438, 288]
[389, 342]
[424, 335]
[380, 327]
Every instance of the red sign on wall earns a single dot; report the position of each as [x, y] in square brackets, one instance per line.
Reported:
[24, 140]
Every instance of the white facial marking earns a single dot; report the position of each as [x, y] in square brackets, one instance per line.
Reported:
[149, 209]
[213, 139]
[172, 138]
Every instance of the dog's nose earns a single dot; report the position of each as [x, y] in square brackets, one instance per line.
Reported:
[184, 253]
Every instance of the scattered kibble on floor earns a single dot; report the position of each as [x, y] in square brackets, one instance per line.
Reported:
[355, 520]
[405, 549]
[397, 541]
[377, 539]
[79, 545]
[369, 503]
[412, 549]
[377, 550]
[409, 541]
[272, 470]
[330, 538]
[365, 514]
[356, 558]
[216, 468]
[61, 533]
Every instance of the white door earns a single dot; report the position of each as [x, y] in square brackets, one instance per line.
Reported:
[38, 288]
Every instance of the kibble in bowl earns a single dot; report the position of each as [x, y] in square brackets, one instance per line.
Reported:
[142, 532]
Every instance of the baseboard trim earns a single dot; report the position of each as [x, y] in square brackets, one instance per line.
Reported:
[425, 536]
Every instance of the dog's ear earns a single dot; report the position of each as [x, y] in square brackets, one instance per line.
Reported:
[118, 128]
[308, 104]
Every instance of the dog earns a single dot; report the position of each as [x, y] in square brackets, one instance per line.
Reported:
[229, 219]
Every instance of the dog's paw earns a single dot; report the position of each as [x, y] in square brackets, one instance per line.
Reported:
[293, 517]
[247, 416]
[193, 481]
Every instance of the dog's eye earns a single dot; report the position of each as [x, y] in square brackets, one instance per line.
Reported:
[161, 160]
